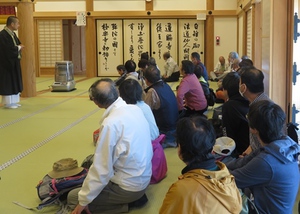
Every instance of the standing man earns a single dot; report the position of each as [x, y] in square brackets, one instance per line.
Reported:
[10, 69]
[121, 168]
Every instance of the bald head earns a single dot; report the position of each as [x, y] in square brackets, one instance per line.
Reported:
[222, 60]
[103, 92]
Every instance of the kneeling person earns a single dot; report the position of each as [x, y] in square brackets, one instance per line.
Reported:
[121, 168]
[270, 172]
[204, 186]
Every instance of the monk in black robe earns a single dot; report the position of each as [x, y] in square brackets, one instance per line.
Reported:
[10, 69]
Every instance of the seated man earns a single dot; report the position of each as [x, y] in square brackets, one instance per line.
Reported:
[162, 101]
[219, 69]
[200, 69]
[234, 111]
[171, 73]
[270, 172]
[121, 168]
[130, 66]
[233, 58]
[205, 186]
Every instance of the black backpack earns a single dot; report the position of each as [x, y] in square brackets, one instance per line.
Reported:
[209, 94]
[292, 131]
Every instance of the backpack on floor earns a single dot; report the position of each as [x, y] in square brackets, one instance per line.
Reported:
[53, 190]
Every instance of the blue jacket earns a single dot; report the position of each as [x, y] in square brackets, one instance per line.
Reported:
[272, 175]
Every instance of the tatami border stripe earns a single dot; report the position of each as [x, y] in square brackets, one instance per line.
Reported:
[39, 111]
[43, 142]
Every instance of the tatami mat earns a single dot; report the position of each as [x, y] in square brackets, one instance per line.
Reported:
[51, 126]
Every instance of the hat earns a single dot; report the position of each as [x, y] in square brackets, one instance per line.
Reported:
[64, 168]
[224, 146]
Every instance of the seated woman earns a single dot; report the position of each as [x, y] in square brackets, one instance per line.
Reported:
[190, 96]
[205, 186]
[234, 111]
[131, 92]
[171, 73]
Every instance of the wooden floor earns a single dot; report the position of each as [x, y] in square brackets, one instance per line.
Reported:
[47, 128]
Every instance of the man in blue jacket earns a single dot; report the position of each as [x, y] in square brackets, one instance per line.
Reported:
[270, 172]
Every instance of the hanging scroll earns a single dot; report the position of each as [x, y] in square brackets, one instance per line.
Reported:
[164, 39]
[191, 38]
[110, 46]
[136, 38]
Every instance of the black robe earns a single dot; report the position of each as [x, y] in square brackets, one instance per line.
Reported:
[10, 68]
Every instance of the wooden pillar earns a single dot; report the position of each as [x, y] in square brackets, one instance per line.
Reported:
[209, 37]
[26, 36]
[278, 51]
[149, 5]
[290, 60]
[90, 42]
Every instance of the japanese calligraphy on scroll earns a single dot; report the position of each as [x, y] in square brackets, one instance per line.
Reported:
[191, 38]
[110, 46]
[164, 39]
[136, 38]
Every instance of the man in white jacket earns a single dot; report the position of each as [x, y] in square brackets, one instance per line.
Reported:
[121, 168]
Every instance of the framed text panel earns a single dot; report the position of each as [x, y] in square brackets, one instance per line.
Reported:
[136, 38]
[164, 39]
[110, 46]
[191, 38]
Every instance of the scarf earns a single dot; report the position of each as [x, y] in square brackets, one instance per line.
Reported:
[14, 37]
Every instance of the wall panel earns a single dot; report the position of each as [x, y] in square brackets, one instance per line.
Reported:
[191, 38]
[112, 5]
[164, 39]
[110, 46]
[136, 38]
[226, 28]
[59, 6]
[179, 5]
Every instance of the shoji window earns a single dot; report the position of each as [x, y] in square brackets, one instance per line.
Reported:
[249, 34]
[50, 44]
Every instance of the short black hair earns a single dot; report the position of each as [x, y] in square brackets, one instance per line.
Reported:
[152, 74]
[196, 55]
[105, 96]
[230, 83]
[245, 62]
[145, 56]
[187, 66]
[268, 119]
[130, 66]
[253, 78]
[196, 138]
[131, 91]
[11, 19]
[143, 63]
[121, 67]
